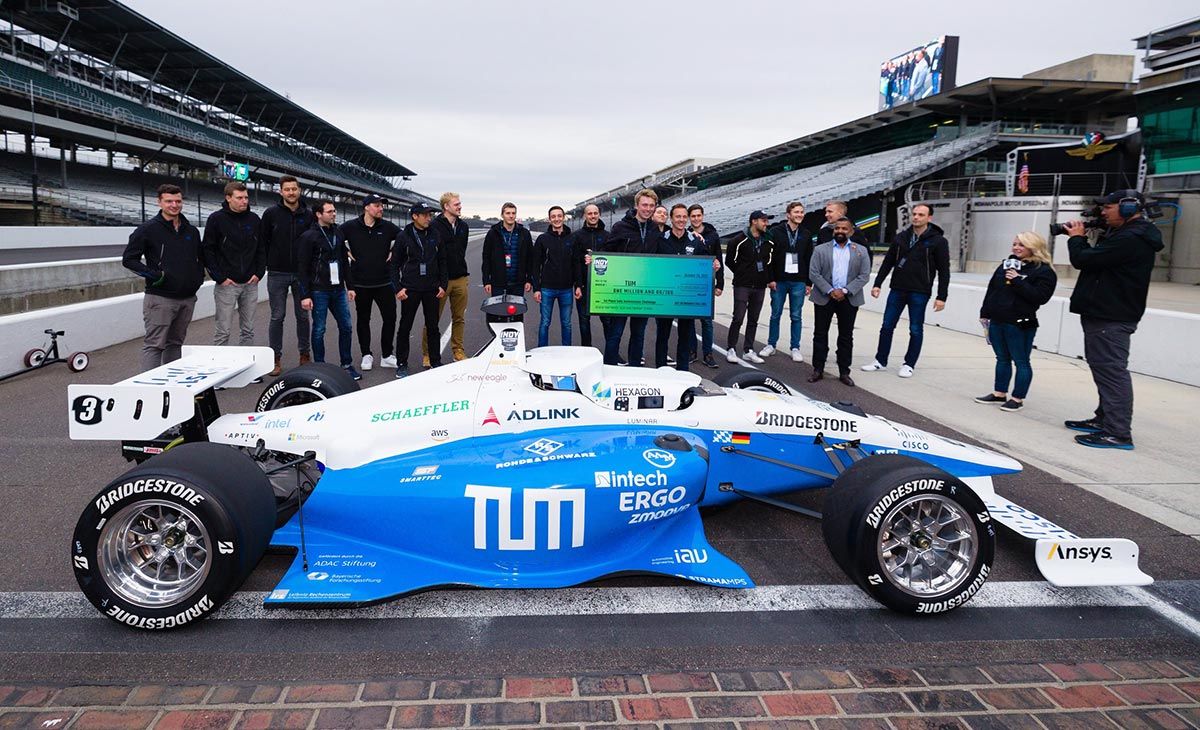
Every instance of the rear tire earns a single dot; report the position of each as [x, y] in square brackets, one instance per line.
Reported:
[78, 362]
[34, 357]
[308, 383]
[170, 540]
[912, 536]
[752, 380]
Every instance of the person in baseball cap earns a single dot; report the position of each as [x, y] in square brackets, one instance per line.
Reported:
[369, 240]
[759, 214]
[372, 199]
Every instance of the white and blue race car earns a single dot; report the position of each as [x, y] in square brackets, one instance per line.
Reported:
[517, 469]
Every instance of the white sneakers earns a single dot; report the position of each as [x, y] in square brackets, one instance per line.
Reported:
[368, 362]
[796, 356]
[906, 371]
[731, 356]
[752, 357]
[873, 366]
[388, 362]
[767, 351]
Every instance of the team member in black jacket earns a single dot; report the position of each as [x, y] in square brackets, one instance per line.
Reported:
[326, 281]
[165, 251]
[553, 274]
[678, 241]
[917, 254]
[636, 233]
[713, 239]
[454, 234]
[420, 277]
[236, 259]
[506, 250]
[1110, 299]
[282, 225]
[793, 252]
[752, 262]
[369, 244]
[834, 210]
[590, 237]
[1022, 283]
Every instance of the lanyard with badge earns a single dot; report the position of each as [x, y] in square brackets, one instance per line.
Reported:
[912, 242]
[334, 279]
[757, 258]
[422, 266]
[792, 264]
[509, 243]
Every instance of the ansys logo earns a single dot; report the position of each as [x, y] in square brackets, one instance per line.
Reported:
[1090, 554]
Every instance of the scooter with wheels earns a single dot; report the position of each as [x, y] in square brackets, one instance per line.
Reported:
[38, 358]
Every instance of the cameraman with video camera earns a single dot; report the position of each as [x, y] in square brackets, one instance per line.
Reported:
[1110, 298]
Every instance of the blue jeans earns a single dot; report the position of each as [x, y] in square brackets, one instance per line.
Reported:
[585, 321]
[793, 290]
[564, 299]
[896, 302]
[706, 337]
[1012, 345]
[331, 301]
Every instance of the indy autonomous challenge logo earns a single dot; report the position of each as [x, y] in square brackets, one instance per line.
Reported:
[508, 339]
[600, 265]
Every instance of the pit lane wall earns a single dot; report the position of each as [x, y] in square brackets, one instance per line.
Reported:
[1166, 344]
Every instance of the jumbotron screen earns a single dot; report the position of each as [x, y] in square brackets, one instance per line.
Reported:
[918, 73]
[235, 170]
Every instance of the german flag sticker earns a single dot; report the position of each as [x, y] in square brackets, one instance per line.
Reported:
[740, 438]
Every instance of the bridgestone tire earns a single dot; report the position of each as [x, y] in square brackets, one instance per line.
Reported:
[752, 380]
[865, 500]
[306, 384]
[34, 357]
[117, 539]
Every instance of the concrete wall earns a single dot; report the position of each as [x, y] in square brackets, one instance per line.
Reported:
[1166, 345]
[1184, 240]
[1096, 67]
[63, 236]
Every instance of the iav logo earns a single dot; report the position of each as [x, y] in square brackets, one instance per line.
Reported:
[659, 458]
[691, 555]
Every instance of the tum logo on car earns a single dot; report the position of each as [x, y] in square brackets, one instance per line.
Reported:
[556, 501]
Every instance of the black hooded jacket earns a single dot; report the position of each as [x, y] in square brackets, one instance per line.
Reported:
[316, 250]
[454, 238]
[369, 248]
[414, 248]
[802, 249]
[1010, 302]
[713, 239]
[553, 261]
[233, 248]
[914, 262]
[1114, 275]
[280, 231]
[495, 272]
[170, 260]
[586, 241]
[750, 266]
[630, 236]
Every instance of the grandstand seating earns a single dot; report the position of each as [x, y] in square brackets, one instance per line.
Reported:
[727, 206]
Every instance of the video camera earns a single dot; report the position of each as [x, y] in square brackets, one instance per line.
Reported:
[1131, 203]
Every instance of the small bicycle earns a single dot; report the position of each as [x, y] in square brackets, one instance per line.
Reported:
[41, 357]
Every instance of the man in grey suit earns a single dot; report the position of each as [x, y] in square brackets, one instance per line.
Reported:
[839, 270]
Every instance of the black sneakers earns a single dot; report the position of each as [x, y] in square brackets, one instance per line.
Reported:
[1104, 441]
[990, 399]
[1087, 425]
[1012, 405]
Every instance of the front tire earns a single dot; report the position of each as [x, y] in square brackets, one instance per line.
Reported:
[34, 357]
[78, 362]
[170, 540]
[308, 383]
[752, 380]
[914, 537]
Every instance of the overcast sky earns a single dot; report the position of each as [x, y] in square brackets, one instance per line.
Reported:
[553, 102]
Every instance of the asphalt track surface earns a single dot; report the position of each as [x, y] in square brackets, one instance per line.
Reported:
[47, 631]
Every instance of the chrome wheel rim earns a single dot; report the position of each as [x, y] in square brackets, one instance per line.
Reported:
[927, 545]
[154, 553]
[298, 397]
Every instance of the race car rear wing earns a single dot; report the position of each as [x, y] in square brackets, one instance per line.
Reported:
[144, 406]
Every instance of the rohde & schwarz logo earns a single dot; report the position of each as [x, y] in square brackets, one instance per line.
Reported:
[543, 447]
[659, 458]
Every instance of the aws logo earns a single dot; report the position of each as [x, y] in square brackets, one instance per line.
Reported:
[1090, 554]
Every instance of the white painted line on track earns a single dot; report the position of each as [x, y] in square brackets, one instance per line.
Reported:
[620, 601]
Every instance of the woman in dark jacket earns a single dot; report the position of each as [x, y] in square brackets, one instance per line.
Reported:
[1022, 283]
